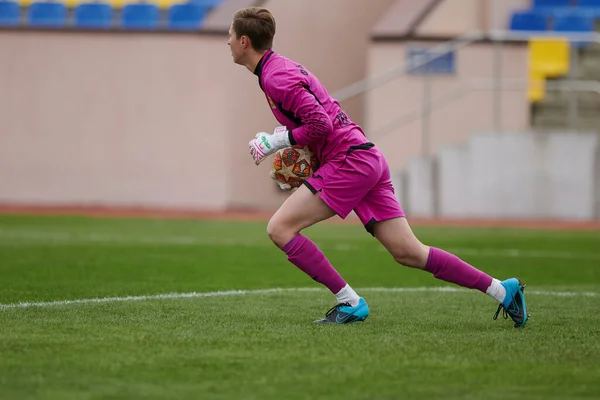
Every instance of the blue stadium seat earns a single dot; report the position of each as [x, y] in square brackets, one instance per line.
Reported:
[185, 16]
[577, 20]
[9, 13]
[591, 6]
[140, 16]
[51, 14]
[207, 4]
[549, 6]
[551, 3]
[528, 21]
[93, 15]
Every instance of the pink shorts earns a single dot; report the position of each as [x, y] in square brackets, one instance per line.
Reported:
[358, 180]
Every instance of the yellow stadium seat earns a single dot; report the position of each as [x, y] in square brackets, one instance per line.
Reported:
[118, 4]
[550, 56]
[73, 3]
[536, 88]
[165, 4]
[25, 3]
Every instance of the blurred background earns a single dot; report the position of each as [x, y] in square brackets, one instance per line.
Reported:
[484, 108]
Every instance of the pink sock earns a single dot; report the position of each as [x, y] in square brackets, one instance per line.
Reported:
[449, 268]
[304, 254]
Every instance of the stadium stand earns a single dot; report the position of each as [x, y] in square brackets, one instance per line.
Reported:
[117, 14]
[553, 57]
[555, 61]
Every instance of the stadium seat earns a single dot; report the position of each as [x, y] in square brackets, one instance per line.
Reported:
[47, 14]
[207, 4]
[165, 4]
[187, 16]
[549, 56]
[591, 6]
[10, 13]
[588, 3]
[547, 7]
[576, 20]
[93, 15]
[536, 88]
[68, 3]
[74, 3]
[117, 4]
[551, 3]
[140, 16]
[528, 21]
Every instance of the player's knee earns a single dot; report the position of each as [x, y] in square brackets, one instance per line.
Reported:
[278, 232]
[409, 257]
[402, 257]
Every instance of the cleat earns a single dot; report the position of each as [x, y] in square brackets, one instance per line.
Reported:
[514, 302]
[344, 313]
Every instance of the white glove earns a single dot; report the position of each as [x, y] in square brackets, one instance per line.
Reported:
[282, 186]
[264, 143]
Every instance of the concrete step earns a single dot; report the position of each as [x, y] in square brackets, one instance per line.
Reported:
[585, 101]
[589, 71]
[554, 121]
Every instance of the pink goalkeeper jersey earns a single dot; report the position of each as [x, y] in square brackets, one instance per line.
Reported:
[301, 103]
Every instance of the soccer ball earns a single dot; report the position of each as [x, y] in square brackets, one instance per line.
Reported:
[293, 165]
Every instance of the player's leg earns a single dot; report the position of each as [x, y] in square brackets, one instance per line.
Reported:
[383, 217]
[336, 188]
[397, 237]
[301, 210]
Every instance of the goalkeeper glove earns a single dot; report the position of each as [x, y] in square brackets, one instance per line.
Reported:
[264, 143]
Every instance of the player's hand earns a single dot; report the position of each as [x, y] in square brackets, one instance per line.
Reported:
[264, 143]
[282, 186]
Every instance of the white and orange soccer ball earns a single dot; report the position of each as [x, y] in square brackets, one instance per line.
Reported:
[293, 165]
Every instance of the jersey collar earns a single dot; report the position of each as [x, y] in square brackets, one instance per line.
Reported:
[259, 67]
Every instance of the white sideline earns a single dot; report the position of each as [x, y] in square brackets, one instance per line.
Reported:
[167, 296]
[107, 238]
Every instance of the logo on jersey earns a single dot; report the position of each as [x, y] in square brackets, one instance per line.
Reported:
[271, 103]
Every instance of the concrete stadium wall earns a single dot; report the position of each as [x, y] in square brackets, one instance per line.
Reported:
[530, 175]
[159, 120]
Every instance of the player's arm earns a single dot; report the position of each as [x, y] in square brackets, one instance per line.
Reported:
[292, 91]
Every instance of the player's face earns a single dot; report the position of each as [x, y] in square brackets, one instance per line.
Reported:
[235, 45]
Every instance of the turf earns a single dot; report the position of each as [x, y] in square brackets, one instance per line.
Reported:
[418, 343]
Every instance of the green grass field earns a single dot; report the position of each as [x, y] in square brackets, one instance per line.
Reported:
[419, 342]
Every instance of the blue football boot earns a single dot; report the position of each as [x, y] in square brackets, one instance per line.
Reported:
[514, 302]
[344, 313]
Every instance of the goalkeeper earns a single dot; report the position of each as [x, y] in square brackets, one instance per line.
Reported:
[353, 175]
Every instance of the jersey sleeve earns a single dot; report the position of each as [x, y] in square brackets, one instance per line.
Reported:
[292, 90]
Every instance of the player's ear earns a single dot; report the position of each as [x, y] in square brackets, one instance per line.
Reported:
[245, 41]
